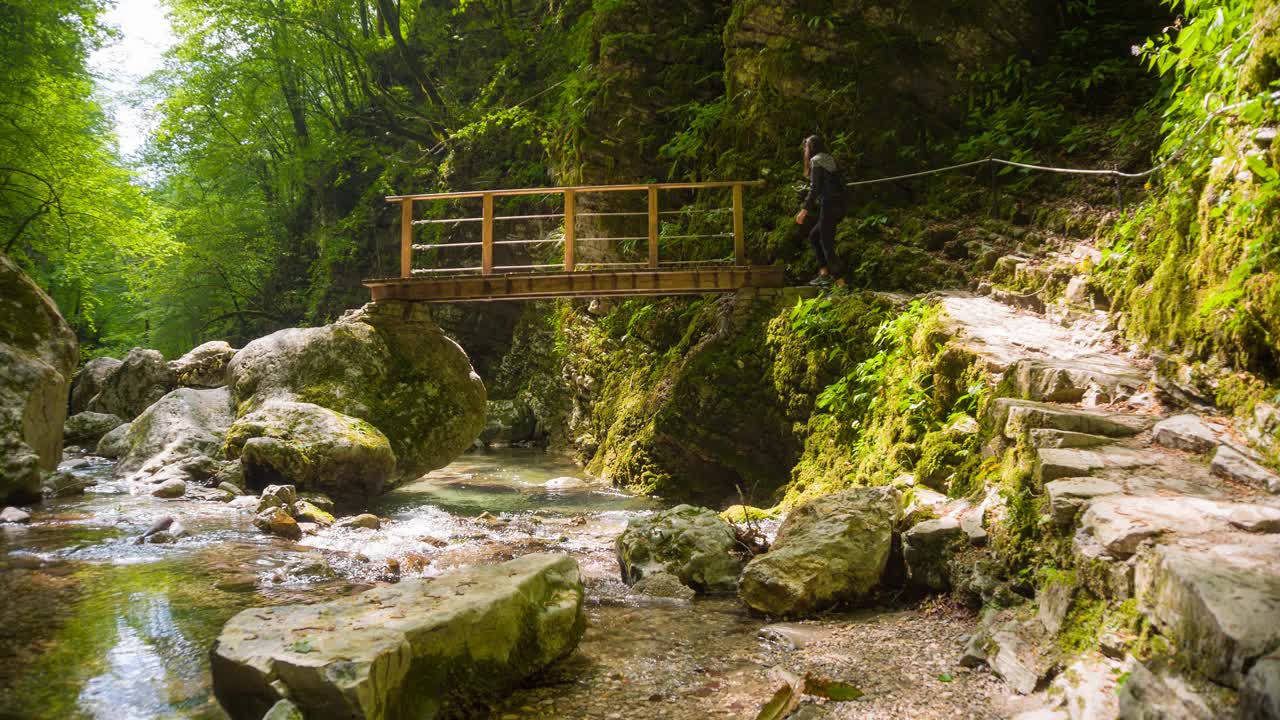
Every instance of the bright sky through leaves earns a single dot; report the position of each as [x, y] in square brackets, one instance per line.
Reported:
[138, 51]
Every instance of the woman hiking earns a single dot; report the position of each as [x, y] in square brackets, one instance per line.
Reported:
[826, 196]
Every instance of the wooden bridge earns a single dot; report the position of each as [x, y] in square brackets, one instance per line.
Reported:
[680, 270]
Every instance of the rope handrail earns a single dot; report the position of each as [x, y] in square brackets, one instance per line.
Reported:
[1074, 171]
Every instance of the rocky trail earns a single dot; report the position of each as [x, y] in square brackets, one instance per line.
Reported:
[1167, 510]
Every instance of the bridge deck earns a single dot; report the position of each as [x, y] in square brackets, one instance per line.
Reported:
[661, 274]
[582, 283]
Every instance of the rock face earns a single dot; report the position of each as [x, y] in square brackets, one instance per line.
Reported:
[694, 544]
[142, 379]
[178, 437]
[89, 381]
[38, 354]
[313, 448]
[89, 426]
[1260, 696]
[423, 648]
[205, 366]
[1218, 602]
[829, 550]
[906, 50]
[509, 423]
[386, 364]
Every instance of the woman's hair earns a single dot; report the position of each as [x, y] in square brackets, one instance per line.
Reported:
[812, 146]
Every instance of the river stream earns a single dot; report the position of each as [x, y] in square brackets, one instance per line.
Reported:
[94, 625]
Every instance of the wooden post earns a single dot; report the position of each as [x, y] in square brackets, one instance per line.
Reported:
[570, 227]
[653, 227]
[486, 239]
[406, 238]
[739, 244]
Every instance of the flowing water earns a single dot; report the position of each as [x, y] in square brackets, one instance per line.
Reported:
[94, 625]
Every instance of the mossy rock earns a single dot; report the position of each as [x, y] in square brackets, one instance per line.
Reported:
[694, 544]
[313, 448]
[386, 364]
[38, 354]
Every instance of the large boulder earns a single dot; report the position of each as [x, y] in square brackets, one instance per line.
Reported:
[387, 364]
[313, 448]
[89, 427]
[38, 354]
[694, 544]
[89, 381]
[422, 648]
[831, 549]
[180, 436]
[205, 366]
[142, 379]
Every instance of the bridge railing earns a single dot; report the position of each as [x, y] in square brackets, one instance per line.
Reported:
[571, 214]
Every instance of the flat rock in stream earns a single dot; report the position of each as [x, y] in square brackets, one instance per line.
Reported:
[422, 648]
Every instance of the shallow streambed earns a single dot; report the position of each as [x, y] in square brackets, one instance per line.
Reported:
[95, 626]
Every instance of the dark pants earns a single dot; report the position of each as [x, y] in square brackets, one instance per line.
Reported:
[822, 238]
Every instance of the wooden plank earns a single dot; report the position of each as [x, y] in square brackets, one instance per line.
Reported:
[653, 226]
[578, 188]
[406, 238]
[486, 239]
[579, 284]
[739, 242]
[570, 227]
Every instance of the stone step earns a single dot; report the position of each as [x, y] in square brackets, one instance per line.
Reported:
[1231, 464]
[1013, 417]
[1055, 463]
[1120, 523]
[1049, 438]
[1155, 692]
[1217, 599]
[1185, 432]
[1093, 379]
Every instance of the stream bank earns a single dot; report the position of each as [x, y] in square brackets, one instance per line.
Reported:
[99, 627]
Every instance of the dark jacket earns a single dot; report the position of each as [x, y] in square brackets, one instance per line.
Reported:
[826, 186]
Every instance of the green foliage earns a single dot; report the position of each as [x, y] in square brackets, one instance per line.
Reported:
[884, 413]
[1197, 266]
[69, 211]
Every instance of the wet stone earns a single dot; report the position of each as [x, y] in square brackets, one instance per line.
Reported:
[428, 647]
[14, 516]
[277, 496]
[363, 520]
[663, 585]
[170, 489]
[277, 521]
